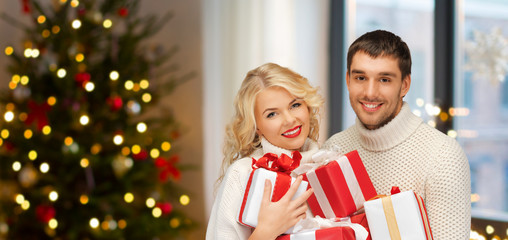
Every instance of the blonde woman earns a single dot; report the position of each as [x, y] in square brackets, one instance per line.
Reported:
[277, 111]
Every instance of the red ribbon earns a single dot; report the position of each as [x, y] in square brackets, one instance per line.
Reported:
[168, 168]
[283, 164]
[394, 190]
[281, 186]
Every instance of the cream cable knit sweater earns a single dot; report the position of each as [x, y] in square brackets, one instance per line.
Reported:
[414, 156]
[222, 224]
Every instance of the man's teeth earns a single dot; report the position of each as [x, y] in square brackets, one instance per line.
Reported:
[370, 105]
[292, 132]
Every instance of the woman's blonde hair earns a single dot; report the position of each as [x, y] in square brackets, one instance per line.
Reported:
[241, 138]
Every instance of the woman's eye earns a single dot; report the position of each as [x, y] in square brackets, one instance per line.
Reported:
[295, 105]
[270, 115]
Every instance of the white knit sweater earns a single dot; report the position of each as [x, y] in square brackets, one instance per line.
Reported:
[222, 224]
[414, 156]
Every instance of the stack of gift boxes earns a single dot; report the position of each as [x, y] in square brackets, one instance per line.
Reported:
[345, 204]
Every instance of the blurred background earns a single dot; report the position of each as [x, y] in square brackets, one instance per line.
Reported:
[460, 63]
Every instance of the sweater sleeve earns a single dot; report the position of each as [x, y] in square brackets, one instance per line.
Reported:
[448, 194]
[222, 223]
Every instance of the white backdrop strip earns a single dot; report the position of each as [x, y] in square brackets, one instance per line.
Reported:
[241, 35]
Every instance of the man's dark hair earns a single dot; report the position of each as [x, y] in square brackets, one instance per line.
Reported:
[382, 43]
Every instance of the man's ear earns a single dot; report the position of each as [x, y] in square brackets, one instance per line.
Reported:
[406, 84]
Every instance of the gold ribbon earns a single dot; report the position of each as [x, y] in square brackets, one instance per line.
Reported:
[393, 228]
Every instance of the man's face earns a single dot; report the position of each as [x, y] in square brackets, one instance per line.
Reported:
[376, 89]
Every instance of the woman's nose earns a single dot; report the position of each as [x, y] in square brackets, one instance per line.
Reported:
[289, 117]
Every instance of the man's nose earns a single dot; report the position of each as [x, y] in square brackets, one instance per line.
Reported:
[371, 89]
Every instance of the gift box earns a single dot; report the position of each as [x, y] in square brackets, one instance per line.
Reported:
[276, 170]
[334, 233]
[341, 186]
[322, 228]
[399, 216]
[361, 219]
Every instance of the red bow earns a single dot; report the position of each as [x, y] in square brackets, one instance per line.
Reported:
[283, 164]
[38, 113]
[45, 213]
[395, 190]
[168, 168]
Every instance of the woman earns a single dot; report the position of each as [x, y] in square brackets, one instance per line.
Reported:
[277, 111]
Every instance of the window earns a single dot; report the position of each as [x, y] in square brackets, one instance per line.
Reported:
[504, 98]
[482, 128]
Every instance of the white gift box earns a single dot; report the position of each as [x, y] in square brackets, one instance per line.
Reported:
[248, 213]
[399, 216]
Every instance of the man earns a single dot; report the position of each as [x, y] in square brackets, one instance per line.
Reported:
[397, 147]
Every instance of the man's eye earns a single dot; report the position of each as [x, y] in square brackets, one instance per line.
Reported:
[384, 80]
[360, 78]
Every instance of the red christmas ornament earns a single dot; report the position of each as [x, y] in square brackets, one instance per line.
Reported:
[123, 12]
[115, 103]
[175, 134]
[45, 213]
[38, 113]
[26, 7]
[119, 132]
[141, 156]
[82, 78]
[165, 207]
[81, 12]
[168, 168]
[9, 146]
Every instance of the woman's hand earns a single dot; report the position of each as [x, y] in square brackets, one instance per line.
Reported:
[275, 218]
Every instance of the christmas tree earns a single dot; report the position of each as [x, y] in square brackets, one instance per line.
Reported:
[82, 155]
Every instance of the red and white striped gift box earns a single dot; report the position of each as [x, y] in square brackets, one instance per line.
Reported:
[340, 187]
[334, 233]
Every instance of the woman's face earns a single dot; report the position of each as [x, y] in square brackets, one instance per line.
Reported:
[281, 118]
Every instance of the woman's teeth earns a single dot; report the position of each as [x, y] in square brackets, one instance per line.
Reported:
[292, 132]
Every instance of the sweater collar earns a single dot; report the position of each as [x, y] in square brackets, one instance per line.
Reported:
[308, 149]
[391, 134]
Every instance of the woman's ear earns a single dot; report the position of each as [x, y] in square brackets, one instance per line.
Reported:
[258, 132]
